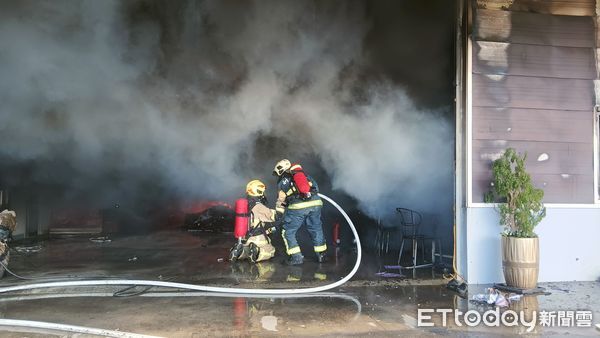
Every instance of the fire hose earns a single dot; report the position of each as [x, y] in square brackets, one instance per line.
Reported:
[206, 288]
[51, 328]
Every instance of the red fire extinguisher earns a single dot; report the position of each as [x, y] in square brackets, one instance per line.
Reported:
[336, 234]
[241, 218]
[336, 240]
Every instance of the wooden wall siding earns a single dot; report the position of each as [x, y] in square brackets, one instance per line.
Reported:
[531, 28]
[597, 20]
[533, 60]
[597, 51]
[533, 90]
[597, 89]
[556, 7]
[534, 125]
[563, 178]
[562, 158]
[574, 189]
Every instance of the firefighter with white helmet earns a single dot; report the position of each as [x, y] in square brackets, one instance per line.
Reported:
[299, 206]
[257, 246]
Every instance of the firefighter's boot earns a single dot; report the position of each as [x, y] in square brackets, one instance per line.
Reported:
[236, 252]
[254, 253]
[321, 257]
[295, 259]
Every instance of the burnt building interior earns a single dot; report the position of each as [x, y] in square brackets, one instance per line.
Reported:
[131, 131]
[130, 128]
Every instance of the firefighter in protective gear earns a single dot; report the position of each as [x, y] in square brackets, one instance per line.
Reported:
[257, 245]
[8, 223]
[299, 210]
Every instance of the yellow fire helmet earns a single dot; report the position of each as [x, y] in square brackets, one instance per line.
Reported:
[281, 167]
[255, 188]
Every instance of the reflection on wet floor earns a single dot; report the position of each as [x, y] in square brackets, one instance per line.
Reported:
[379, 311]
[368, 305]
[193, 258]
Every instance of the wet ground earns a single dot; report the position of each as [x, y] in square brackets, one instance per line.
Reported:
[366, 306]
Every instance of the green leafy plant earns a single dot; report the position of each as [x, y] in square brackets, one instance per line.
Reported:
[520, 203]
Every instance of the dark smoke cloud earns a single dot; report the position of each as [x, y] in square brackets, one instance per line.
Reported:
[194, 98]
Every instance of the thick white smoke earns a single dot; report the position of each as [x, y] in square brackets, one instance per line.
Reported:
[146, 104]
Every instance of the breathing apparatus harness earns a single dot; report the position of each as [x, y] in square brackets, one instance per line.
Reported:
[261, 228]
[295, 193]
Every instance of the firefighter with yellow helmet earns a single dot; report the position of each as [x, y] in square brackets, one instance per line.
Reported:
[299, 208]
[257, 246]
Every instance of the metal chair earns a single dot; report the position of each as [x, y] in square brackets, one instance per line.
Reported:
[382, 244]
[410, 221]
[382, 238]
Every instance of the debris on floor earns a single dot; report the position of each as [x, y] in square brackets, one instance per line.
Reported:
[25, 249]
[495, 297]
[534, 291]
[215, 219]
[103, 239]
[269, 323]
[459, 287]
[389, 274]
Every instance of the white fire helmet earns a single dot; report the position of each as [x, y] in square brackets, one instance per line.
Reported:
[281, 167]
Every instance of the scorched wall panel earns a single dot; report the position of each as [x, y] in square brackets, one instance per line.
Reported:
[532, 80]
[534, 29]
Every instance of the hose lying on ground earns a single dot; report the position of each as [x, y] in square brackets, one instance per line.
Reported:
[69, 328]
[217, 289]
[49, 278]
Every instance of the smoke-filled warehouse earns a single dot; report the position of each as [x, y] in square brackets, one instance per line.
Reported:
[145, 102]
[249, 168]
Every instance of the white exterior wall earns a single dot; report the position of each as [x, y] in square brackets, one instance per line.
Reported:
[569, 245]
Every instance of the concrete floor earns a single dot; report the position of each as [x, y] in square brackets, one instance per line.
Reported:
[366, 306]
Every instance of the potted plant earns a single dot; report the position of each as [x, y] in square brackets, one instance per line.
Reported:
[521, 209]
